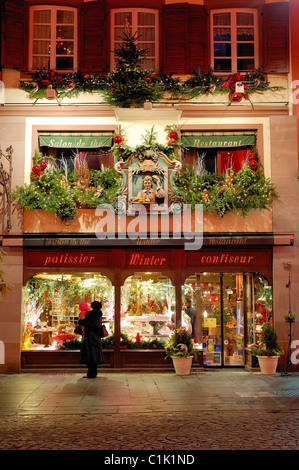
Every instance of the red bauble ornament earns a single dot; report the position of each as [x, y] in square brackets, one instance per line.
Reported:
[118, 139]
[148, 79]
[42, 165]
[173, 135]
[36, 170]
[253, 165]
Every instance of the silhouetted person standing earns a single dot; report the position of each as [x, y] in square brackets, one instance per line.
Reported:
[192, 314]
[91, 348]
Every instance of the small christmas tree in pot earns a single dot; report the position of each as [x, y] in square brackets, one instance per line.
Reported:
[180, 350]
[267, 350]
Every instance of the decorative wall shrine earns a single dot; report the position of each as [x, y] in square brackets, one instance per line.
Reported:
[148, 179]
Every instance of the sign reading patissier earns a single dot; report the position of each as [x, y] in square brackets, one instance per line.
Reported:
[68, 258]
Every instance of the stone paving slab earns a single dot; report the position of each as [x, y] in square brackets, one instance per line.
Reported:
[221, 410]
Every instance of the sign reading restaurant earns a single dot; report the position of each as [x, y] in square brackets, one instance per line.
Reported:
[218, 140]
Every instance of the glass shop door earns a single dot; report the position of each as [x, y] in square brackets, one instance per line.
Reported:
[219, 303]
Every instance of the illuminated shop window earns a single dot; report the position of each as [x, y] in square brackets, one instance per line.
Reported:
[230, 311]
[234, 40]
[148, 308]
[53, 38]
[142, 21]
[218, 300]
[259, 308]
[51, 308]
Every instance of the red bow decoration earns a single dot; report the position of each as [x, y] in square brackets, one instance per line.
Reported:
[231, 82]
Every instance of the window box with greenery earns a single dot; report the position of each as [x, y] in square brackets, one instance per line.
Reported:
[243, 191]
[56, 189]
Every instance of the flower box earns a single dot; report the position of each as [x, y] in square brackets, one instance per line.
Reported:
[40, 221]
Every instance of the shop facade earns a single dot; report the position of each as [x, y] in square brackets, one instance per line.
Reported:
[236, 279]
[143, 291]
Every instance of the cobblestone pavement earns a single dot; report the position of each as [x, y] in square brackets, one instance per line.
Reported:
[217, 410]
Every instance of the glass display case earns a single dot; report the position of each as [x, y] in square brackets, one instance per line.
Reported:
[147, 307]
[51, 308]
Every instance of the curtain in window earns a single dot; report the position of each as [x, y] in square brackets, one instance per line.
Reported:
[231, 159]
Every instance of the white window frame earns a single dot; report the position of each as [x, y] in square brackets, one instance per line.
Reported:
[52, 39]
[134, 26]
[234, 58]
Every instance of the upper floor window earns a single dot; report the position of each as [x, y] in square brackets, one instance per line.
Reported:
[53, 38]
[145, 22]
[234, 40]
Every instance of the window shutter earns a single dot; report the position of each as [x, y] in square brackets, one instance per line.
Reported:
[197, 31]
[93, 30]
[13, 28]
[276, 37]
[175, 38]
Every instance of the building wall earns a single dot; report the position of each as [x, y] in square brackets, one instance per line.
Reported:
[284, 159]
[278, 126]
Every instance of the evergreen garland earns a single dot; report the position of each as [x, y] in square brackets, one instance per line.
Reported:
[129, 84]
[242, 192]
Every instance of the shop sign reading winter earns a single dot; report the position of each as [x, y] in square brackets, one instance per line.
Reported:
[141, 259]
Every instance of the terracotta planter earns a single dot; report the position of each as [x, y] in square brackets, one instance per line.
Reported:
[182, 365]
[268, 364]
[39, 221]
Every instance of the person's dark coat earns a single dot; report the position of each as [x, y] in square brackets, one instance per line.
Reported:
[192, 314]
[91, 347]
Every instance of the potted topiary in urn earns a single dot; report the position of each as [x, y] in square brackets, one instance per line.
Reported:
[267, 350]
[180, 349]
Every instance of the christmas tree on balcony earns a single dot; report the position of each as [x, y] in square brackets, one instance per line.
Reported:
[129, 84]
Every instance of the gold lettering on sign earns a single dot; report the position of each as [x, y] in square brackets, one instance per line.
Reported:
[147, 241]
[228, 241]
[72, 242]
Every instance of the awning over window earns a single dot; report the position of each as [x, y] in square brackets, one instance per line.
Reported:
[76, 141]
[218, 141]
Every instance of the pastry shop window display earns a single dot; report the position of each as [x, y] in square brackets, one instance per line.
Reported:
[147, 308]
[259, 305]
[51, 305]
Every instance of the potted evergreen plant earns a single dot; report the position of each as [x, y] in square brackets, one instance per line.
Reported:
[289, 317]
[267, 350]
[180, 350]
